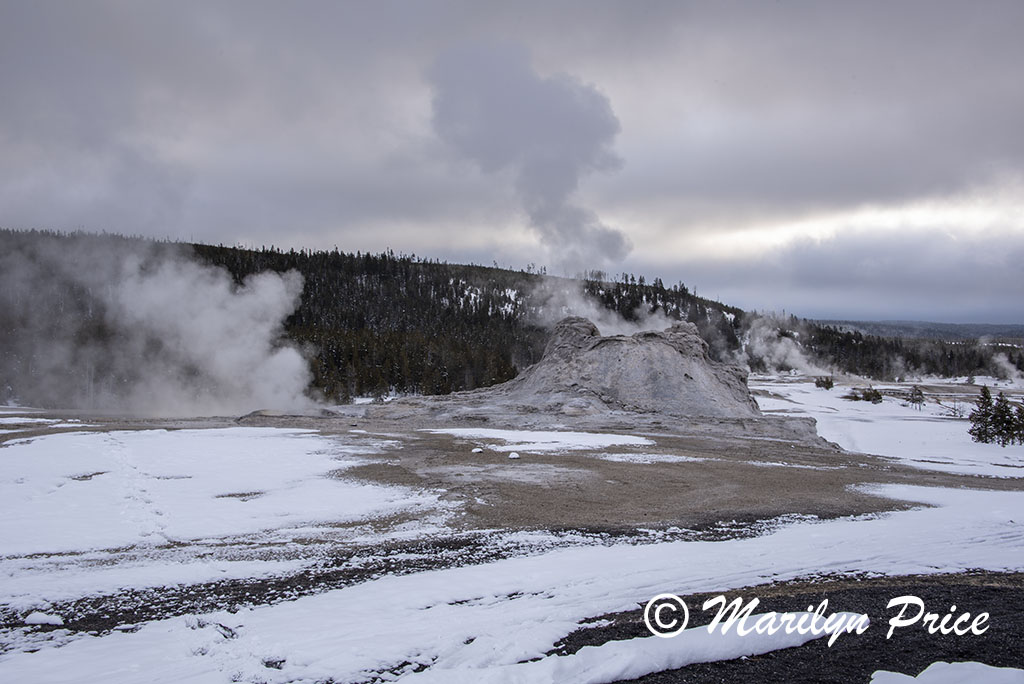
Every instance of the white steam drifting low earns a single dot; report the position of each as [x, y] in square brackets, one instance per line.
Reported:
[132, 327]
[764, 342]
[1005, 369]
[556, 298]
[225, 336]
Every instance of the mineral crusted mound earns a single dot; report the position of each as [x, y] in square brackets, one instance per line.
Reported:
[665, 372]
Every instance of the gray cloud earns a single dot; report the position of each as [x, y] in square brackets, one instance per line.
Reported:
[802, 105]
[494, 109]
[265, 123]
[897, 275]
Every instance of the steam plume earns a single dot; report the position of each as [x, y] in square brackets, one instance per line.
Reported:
[492, 108]
[1005, 370]
[555, 298]
[125, 325]
[776, 351]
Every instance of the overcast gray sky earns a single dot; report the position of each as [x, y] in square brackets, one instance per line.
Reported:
[841, 160]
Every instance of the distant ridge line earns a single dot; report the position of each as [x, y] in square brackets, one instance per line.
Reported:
[929, 329]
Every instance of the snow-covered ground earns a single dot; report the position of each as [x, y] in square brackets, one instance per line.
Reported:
[86, 513]
[90, 490]
[13, 424]
[536, 441]
[90, 512]
[479, 623]
[929, 437]
[954, 673]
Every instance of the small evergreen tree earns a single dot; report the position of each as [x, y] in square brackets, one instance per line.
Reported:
[1003, 424]
[1019, 424]
[981, 417]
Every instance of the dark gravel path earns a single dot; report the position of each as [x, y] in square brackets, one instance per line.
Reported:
[101, 613]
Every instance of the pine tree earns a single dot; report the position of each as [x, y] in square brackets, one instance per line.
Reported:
[981, 417]
[1019, 424]
[1002, 421]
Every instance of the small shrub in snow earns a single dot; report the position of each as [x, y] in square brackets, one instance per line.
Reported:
[916, 397]
[872, 395]
[956, 410]
[864, 394]
[824, 382]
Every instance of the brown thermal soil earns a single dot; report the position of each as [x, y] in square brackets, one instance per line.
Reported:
[742, 480]
[741, 470]
[853, 657]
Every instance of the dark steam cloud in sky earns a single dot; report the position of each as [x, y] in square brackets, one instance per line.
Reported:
[491, 107]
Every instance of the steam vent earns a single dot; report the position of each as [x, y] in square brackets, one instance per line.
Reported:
[664, 372]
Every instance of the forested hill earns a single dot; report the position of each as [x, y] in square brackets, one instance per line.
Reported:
[383, 322]
[369, 323]
[373, 324]
[377, 323]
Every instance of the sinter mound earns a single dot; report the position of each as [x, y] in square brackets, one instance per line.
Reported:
[666, 372]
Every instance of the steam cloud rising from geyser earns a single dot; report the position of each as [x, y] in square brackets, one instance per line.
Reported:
[492, 108]
[556, 299]
[130, 326]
